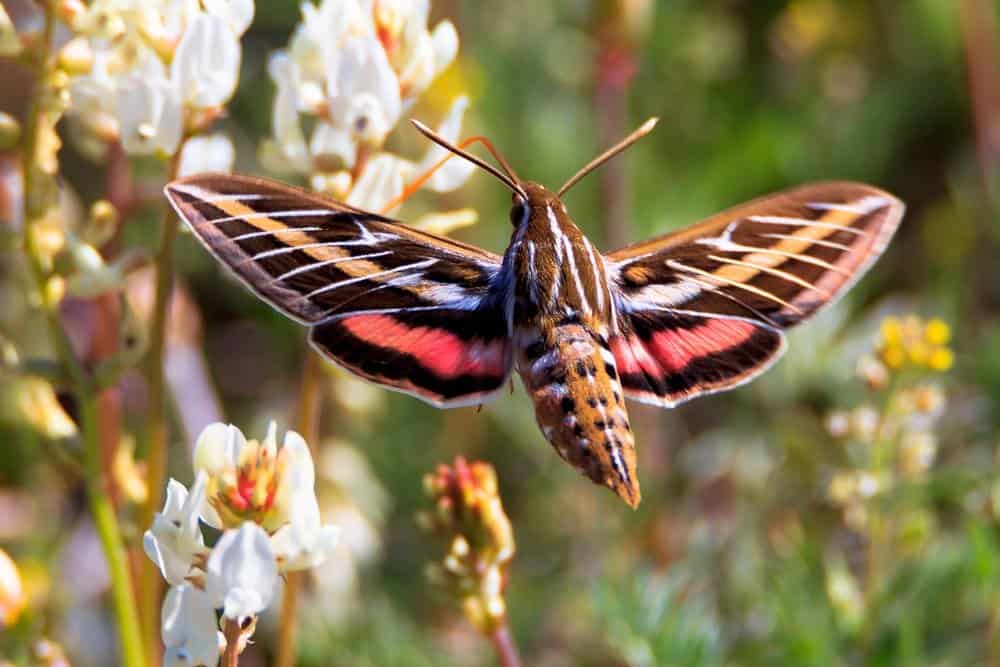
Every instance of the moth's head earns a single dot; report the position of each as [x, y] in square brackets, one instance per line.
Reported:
[535, 197]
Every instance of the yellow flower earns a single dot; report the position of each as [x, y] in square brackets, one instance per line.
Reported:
[913, 341]
[894, 357]
[892, 331]
[941, 359]
[937, 332]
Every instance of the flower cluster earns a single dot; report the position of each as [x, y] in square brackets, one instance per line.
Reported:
[149, 74]
[895, 442]
[262, 497]
[352, 68]
[891, 444]
[469, 515]
[911, 341]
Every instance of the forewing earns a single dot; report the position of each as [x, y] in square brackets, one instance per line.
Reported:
[702, 309]
[410, 310]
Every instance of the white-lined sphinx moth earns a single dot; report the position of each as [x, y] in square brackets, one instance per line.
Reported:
[693, 312]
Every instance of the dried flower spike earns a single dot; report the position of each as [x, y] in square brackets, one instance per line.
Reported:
[469, 515]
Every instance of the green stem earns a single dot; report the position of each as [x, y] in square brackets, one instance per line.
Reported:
[106, 522]
[879, 526]
[307, 424]
[157, 433]
[98, 499]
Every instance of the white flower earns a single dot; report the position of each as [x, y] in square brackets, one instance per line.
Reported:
[218, 447]
[238, 14]
[288, 137]
[385, 175]
[161, 21]
[323, 30]
[305, 542]
[206, 153]
[175, 537]
[149, 115]
[206, 65]
[94, 93]
[457, 170]
[380, 182]
[362, 89]
[251, 480]
[188, 628]
[302, 543]
[331, 146]
[241, 573]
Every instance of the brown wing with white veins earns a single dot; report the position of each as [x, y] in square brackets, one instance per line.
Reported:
[703, 309]
[413, 311]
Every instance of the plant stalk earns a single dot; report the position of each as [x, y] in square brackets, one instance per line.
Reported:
[506, 649]
[98, 498]
[231, 629]
[307, 424]
[157, 433]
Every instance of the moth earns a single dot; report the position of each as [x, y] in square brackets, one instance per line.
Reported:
[690, 313]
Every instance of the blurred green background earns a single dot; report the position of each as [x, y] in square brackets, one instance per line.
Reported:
[740, 554]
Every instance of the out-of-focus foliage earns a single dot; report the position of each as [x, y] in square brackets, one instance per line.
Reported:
[823, 515]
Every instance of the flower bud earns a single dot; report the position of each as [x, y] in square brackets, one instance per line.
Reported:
[54, 291]
[10, 131]
[844, 593]
[39, 406]
[49, 654]
[10, 41]
[865, 421]
[76, 57]
[13, 598]
[916, 453]
[929, 400]
[873, 372]
[480, 539]
[838, 424]
[102, 223]
[69, 11]
[129, 475]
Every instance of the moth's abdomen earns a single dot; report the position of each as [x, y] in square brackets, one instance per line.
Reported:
[571, 377]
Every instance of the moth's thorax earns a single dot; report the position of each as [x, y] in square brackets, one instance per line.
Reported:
[558, 272]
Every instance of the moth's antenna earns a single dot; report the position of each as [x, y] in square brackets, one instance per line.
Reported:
[507, 176]
[643, 130]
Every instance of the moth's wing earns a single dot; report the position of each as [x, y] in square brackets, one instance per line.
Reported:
[409, 310]
[703, 309]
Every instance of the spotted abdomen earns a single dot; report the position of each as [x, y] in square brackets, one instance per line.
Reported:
[570, 375]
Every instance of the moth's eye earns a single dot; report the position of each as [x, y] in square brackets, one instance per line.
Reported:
[517, 212]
